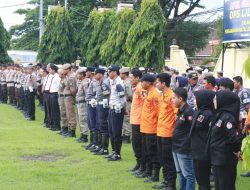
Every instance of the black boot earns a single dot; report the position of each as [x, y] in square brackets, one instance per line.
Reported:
[63, 131]
[95, 140]
[136, 167]
[162, 185]
[71, 133]
[117, 155]
[113, 148]
[82, 139]
[105, 145]
[146, 173]
[99, 143]
[154, 177]
[140, 170]
[91, 141]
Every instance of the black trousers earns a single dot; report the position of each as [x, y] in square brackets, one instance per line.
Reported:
[137, 143]
[46, 103]
[54, 111]
[164, 146]
[150, 150]
[202, 169]
[225, 176]
[31, 104]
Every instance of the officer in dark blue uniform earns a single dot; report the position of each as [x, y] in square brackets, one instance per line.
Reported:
[102, 111]
[91, 110]
[117, 104]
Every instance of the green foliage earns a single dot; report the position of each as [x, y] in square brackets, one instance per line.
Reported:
[57, 45]
[247, 65]
[246, 153]
[4, 44]
[190, 35]
[145, 37]
[102, 25]
[114, 50]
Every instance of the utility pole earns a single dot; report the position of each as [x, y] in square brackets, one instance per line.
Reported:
[66, 4]
[41, 21]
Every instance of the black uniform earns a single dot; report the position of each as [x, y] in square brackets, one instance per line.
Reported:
[202, 118]
[224, 141]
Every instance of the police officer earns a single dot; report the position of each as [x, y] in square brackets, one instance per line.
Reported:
[117, 103]
[192, 87]
[63, 116]
[124, 74]
[31, 86]
[224, 142]
[81, 104]
[91, 108]
[202, 118]
[102, 111]
[69, 93]
[4, 85]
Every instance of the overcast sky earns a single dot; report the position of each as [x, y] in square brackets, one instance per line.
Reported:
[10, 19]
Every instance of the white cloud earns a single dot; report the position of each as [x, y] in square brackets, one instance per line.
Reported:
[7, 14]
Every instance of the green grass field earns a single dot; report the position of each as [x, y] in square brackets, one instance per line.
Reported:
[34, 158]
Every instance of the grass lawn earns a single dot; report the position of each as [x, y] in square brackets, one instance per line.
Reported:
[33, 158]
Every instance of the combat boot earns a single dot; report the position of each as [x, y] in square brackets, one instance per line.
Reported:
[64, 130]
[71, 133]
[146, 173]
[154, 177]
[99, 143]
[105, 145]
[91, 142]
[95, 140]
[140, 170]
[126, 139]
[82, 139]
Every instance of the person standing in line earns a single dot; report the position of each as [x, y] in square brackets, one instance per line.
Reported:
[192, 87]
[81, 105]
[165, 128]
[91, 108]
[31, 86]
[53, 97]
[117, 103]
[46, 100]
[224, 140]
[69, 93]
[181, 141]
[202, 119]
[124, 74]
[63, 116]
[135, 120]
[148, 128]
[102, 109]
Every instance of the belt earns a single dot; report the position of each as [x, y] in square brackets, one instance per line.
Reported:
[67, 95]
[81, 101]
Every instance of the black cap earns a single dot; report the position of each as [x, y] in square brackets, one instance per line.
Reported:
[91, 69]
[148, 78]
[114, 68]
[192, 75]
[100, 70]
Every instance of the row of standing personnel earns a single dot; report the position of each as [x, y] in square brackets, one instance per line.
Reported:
[159, 137]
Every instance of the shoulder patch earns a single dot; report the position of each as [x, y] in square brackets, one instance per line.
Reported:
[218, 124]
[200, 118]
[245, 95]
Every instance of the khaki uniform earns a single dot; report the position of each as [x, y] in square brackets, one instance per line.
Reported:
[69, 101]
[126, 129]
[64, 121]
[82, 106]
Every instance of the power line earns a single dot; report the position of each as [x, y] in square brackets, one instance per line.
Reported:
[8, 6]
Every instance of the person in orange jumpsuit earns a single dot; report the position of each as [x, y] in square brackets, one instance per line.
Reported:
[165, 128]
[148, 128]
[135, 118]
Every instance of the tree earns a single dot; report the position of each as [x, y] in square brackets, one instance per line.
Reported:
[4, 44]
[99, 36]
[145, 37]
[114, 50]
[191, 36]
[57, 45]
